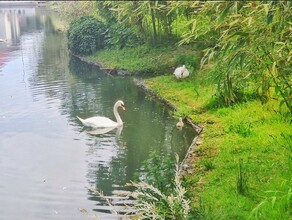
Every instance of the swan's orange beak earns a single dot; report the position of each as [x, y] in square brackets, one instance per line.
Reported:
[123, 107]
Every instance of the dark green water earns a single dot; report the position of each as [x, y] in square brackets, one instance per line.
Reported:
[48, 163]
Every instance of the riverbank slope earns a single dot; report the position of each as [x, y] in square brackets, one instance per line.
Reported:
[242, 166]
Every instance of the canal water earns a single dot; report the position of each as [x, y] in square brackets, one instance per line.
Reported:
[48, 162]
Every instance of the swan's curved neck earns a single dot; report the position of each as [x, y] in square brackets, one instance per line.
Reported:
[117, 115]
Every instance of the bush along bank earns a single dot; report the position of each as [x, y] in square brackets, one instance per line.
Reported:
[242, 165]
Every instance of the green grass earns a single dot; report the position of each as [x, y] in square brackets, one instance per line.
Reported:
[248, 134]
[142, 60]
[266, 162]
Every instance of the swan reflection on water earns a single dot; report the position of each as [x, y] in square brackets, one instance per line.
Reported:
[99, 131]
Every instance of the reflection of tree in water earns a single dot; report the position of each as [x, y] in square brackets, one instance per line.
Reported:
[49, 26]
[86, 93]
[41, 21]
[106, 167]
[51, 64]
[31, 24]
[84, 71]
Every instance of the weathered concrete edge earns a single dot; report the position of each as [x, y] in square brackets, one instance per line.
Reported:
[185, 164]
[84, 59]
[110, 71]
[140, 83]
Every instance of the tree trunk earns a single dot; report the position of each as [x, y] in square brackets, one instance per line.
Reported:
[153, 20]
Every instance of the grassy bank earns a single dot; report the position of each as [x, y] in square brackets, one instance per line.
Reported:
[249, 135]
[143, 60]
[243, 167]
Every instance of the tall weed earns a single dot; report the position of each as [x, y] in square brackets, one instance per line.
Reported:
[275, 206]
[242, 180]
[152, 203]
[244, 129]
[158, 171]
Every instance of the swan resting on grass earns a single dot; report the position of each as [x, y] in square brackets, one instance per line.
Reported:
[98, 122]
[181, 72]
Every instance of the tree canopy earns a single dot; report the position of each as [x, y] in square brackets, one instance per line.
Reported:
[248, 44]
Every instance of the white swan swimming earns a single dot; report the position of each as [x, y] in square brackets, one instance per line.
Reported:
[103, 122]
[181, 72]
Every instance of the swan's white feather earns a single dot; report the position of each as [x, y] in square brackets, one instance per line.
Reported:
[181, 72]
[185, 74]
[178, 71]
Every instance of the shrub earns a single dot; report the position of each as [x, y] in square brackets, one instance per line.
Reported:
[85, 35]
[120, 36]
